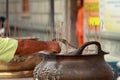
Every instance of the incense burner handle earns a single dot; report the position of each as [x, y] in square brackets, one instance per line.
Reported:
[99, 51]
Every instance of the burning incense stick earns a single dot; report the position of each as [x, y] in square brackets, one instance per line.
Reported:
[88, 37]
[51, 33]
[100, 30]
[67, 38]
[95, 27]
[61, 27]
[56, 33]
[60, 31]
[47, 33]
[96, 39]
[14, 30]
[8, 28]
[19, 31]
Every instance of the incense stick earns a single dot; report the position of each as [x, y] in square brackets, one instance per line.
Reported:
[22, 21]
[56, 33]
[67, 38]
[100, 30]
[88, 36]
[14, 30]
[8, 29]
[58, 30]
[95, 27]
[60, 34]
[47, 33]
[96, 39]
[51, 34]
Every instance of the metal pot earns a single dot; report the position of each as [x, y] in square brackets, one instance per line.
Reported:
[75, 66]
[19, 67]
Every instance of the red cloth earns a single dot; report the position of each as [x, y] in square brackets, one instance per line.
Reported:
[80, 26]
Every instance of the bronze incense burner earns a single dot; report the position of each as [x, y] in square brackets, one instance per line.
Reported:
[74, 66]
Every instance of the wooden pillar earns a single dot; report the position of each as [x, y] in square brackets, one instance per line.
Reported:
[25, 6]
[73, 15]
[7, 9]
[52, 13]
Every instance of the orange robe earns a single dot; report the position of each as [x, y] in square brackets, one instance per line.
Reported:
[80, 26]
